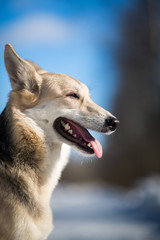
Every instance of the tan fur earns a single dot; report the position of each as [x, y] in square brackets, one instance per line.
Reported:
[32, 154]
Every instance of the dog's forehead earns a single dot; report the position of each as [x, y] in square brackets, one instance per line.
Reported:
[58, 83]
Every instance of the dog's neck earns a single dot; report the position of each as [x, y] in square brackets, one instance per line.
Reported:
[45, 163]
[57, 158]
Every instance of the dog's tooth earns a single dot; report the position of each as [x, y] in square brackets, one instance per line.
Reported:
[89, 145]
[75, 135]
[63, 123]
[67, 127]
[70, 131]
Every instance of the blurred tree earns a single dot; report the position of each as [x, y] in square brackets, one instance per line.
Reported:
[134, 152]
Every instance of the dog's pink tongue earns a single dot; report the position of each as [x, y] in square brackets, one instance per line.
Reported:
[97, 147]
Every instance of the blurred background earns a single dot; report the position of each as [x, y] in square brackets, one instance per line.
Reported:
[113, 46]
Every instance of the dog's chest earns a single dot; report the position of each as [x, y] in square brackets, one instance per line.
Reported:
[57, 158]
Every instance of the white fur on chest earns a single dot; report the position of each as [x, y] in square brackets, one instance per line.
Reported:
[57, 160]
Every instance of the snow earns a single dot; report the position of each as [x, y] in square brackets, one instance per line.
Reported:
[92, 212]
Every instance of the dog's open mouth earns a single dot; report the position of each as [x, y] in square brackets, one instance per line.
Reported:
[74, 133]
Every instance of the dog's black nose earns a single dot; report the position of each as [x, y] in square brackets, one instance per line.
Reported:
[112, 123]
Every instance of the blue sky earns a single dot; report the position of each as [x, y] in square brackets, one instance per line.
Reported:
[77, 38]
[65, 36]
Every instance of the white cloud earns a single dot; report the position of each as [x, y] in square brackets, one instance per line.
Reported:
[40, 28]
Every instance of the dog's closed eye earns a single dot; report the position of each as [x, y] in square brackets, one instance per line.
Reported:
[73, 95]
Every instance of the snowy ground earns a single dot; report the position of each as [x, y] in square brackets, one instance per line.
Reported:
[90, 212]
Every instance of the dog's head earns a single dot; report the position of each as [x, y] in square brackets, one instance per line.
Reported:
[60, 105]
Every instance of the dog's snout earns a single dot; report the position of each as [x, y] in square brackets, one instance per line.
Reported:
[112, 123]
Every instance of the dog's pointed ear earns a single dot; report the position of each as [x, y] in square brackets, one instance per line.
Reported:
[21, 73]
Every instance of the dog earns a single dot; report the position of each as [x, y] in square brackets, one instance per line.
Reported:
[46, 114]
